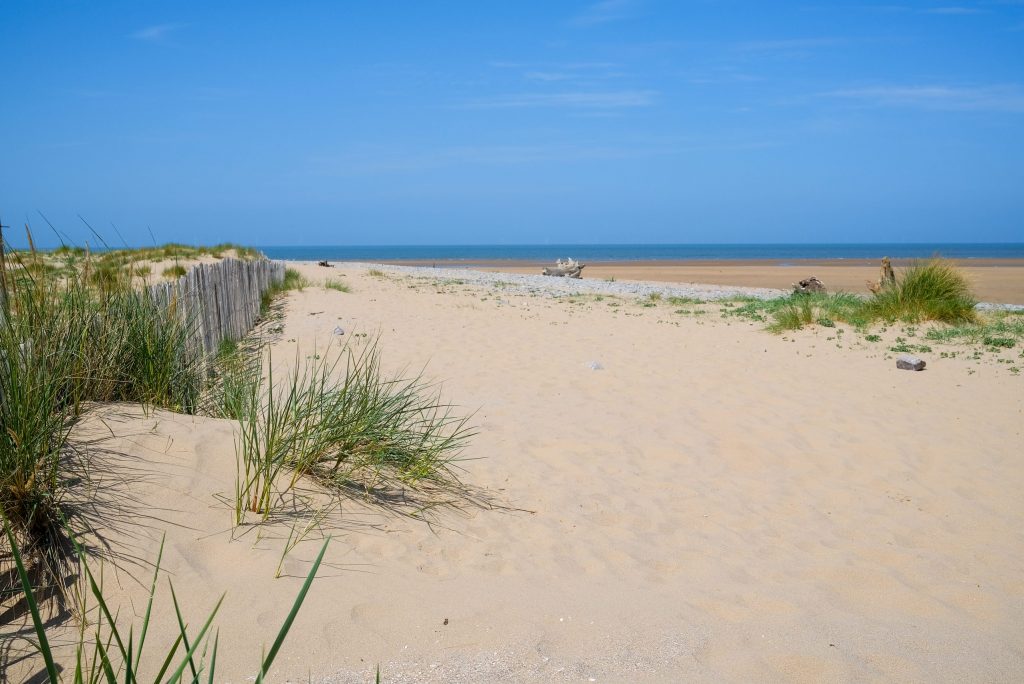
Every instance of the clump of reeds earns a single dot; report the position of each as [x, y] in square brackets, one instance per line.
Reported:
[293, 280]
[798, 310]
[65, 342]
[934, 290]
[340, 419]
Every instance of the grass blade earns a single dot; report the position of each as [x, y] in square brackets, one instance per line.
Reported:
[181, 627]
[149, 605]
[268, 661]
[176, 675]
[37, 622]
[168, 659]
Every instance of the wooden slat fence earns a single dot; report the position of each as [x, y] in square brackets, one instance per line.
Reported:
[222, 299]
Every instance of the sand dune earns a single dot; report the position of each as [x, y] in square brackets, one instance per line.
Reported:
[714, 503]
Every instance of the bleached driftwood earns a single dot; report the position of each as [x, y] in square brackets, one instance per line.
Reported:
[570, 268]
[886, 277]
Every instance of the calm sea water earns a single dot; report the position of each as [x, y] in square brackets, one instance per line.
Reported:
[595, 253]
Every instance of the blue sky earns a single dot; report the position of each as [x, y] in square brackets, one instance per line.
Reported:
[514, 122]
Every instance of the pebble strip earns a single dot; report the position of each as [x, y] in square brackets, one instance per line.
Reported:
[548, 286]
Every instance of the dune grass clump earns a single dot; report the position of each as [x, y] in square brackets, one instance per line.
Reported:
[824, 309]
[339, 419]
[934, 290]
[798, 310]
[337, 285]
[65, 342]
[175, 271]
[293, 280]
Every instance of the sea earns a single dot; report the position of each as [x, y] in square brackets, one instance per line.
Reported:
[470, 254]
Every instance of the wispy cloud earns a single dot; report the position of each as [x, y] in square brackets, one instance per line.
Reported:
[604, 12]
[997, 98]
[952, 10]
[549, 76]
[156, 33]
[572, 71]
[789, 44]
[620, 99]
[387, 159]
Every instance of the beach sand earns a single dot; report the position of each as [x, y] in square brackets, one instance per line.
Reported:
[994, 280]
[673, 497]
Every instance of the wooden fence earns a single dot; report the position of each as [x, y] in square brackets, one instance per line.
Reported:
[222, 299]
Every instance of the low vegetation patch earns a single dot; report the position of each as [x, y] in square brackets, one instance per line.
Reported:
[65, 342]
[928, 291]
[293, 280]
[175, 271]
[934, 290]
[992, 328]
[337, 285]
[340, 420]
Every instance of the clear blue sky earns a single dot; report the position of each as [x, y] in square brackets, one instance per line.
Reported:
[514, 122]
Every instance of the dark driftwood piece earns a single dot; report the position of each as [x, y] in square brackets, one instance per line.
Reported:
[324, 263]
[809, 285]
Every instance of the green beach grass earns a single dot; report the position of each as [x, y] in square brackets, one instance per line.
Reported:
[66, 342]
[933, 290]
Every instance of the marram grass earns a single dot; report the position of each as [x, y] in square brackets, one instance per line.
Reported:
[65, 342]
[339, 419]
[933, 290]
[104, 653]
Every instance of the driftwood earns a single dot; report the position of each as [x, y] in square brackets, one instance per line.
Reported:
[809, 285]
[324, 263]
[569, 268]
[886, 277]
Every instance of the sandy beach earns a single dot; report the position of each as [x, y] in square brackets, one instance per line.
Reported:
[656, 496]
[994, 280]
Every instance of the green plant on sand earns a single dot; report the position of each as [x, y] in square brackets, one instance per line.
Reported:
[337, 285]
[293, 280]
[934, 290]
[175, 271]
[64, 343]
[111, 656]
[337, 418]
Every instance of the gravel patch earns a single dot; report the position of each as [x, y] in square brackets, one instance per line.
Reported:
[547, 286]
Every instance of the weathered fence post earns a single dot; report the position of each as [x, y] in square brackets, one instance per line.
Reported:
[220, 301]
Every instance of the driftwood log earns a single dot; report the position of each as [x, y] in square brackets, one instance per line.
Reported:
[565, 269]
[809, 285]
[324, 263]
[886, 277]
